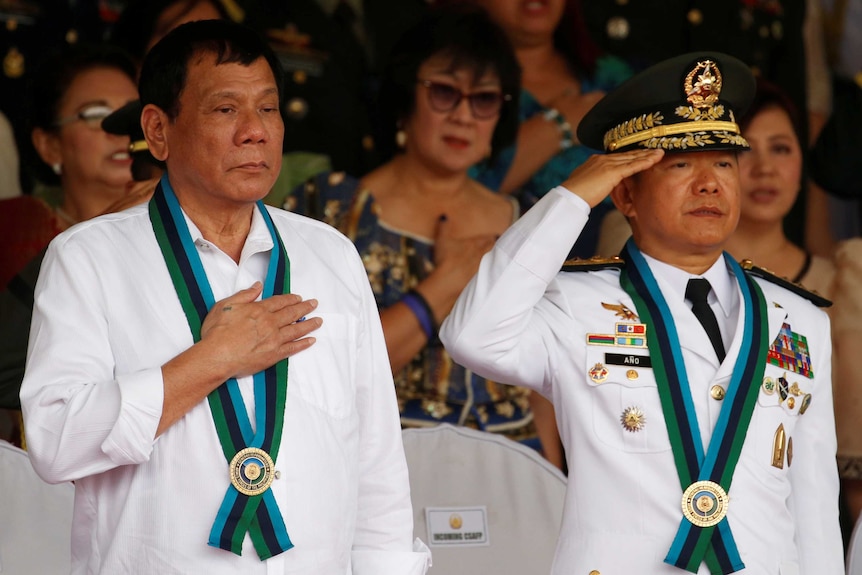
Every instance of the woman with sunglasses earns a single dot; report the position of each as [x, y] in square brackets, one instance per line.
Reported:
[447, 99]
[71, 93]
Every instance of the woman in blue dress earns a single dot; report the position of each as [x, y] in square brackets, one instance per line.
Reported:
[562, 78]
[421, 223]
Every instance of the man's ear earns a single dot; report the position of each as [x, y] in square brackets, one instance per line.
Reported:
[47, 145]
[154, 122]
[622, 196]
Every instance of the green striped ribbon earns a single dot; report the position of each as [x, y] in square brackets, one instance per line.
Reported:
[239, 513]
[695, 544]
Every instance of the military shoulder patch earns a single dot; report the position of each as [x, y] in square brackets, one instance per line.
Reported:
[796, 288]
[593, 264]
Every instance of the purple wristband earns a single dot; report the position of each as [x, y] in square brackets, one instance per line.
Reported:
[422, 311]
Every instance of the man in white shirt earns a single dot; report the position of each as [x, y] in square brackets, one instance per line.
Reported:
[697, 417]
[212, 421]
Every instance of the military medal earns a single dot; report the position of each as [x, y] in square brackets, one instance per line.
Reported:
[768, 385]
[251, 471]
[806, 401]
[633, 419]
[599, 373]
[704, 503]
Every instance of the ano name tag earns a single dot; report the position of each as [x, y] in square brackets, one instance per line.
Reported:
[457, 526]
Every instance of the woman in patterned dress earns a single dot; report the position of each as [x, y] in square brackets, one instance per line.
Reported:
[448, 99]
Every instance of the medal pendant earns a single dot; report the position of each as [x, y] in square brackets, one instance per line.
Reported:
[704, 503]
[252, 471]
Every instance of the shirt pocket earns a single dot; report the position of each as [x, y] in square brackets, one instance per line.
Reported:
[324, 374]
[783, 398]
[626, 409]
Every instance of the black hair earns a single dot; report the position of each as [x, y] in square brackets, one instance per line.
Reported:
[769, 94]
[51, 80]
[136, 26]
[163, 74]
[471, 39]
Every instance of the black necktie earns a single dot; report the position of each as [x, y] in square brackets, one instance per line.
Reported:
[696, 292]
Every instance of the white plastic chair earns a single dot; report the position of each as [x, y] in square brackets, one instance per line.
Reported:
[35, 518]
[457, 467]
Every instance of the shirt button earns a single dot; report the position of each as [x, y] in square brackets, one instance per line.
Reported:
[717, 392]
[595, 572]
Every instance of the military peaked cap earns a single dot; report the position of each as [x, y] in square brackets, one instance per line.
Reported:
[687, 103]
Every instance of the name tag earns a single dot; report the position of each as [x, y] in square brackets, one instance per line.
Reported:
[457, 526]
[628, 359]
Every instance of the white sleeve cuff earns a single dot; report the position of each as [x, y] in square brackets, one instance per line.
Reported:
[141, 400]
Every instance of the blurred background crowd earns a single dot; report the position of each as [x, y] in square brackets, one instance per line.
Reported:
[423, 136]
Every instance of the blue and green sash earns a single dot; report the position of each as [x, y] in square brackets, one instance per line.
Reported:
[257, 514]
[695, 543]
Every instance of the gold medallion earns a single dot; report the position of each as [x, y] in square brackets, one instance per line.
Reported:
[455, 521]
[251, 471]
[704, 503]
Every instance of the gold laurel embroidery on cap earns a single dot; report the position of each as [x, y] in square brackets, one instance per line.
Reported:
[631, 127]
[700, 114]
[694, 140]
[633, 419]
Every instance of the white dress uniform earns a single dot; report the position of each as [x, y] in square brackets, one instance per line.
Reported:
[524, 321]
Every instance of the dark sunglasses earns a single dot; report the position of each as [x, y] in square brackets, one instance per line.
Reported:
[484, 104]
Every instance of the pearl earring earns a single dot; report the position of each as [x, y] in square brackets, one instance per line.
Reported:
[57, 168]
[401, 138]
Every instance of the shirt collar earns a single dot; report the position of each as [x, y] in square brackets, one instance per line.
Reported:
[258, 239]
[718, 275]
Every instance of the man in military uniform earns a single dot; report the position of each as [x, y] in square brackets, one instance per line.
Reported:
[693, 394]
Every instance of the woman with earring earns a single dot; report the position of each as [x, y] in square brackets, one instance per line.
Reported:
[71, 94]
[448, 99]
[770, 177]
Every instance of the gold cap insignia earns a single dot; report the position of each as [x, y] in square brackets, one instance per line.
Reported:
[703, 84]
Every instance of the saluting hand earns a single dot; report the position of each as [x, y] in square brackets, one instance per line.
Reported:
[252, 335]
[594, 180]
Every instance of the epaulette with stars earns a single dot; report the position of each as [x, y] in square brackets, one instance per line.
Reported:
[796, 288]
[593, 264]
